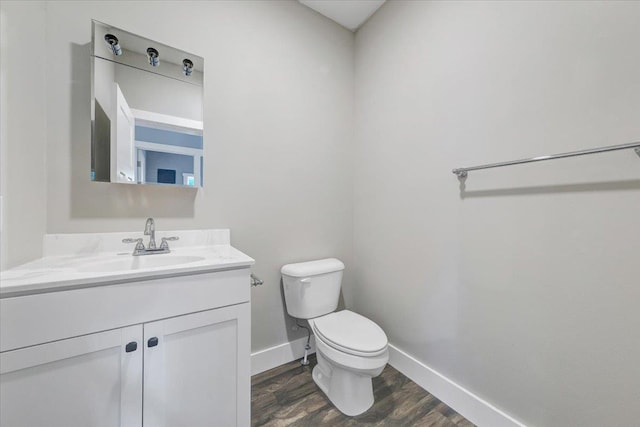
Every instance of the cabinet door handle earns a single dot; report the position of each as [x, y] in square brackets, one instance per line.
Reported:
[153, 341]
[132, 346]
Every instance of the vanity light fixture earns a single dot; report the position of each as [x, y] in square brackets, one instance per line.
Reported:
[113, 43]
[154, 57]
[187, 67]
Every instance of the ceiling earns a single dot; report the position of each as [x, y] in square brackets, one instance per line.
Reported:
[351, 14]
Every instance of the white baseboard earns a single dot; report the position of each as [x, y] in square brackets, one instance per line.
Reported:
[467, 404]
[273, 357]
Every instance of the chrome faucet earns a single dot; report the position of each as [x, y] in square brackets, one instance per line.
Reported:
[150, 230]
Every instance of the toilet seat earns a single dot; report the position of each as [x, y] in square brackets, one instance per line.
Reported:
[350, 333]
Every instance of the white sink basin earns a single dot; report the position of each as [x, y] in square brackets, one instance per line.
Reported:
[139, 262]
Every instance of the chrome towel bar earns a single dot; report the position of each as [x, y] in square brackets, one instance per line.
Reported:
[463, 172]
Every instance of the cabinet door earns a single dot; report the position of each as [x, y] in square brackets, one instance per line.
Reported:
[197, 369]
[92, 380]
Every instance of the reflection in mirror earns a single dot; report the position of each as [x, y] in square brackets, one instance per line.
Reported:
[146, 111]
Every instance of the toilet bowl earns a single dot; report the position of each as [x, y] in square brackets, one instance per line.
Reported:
[351, 349]
[346, 366]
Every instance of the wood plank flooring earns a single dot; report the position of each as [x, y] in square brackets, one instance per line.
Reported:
[287, 396]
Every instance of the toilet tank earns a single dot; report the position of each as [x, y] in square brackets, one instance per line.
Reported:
[312, 289]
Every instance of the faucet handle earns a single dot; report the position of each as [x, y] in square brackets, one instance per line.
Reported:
[164, 244]
[138, 242]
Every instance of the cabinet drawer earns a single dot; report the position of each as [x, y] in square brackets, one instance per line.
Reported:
[35, 319]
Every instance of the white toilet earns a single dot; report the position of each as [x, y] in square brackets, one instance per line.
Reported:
[351, 349]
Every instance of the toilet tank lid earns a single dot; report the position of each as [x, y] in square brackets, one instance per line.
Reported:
[312, 268]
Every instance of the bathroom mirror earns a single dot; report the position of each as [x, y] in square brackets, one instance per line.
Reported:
[146, 111]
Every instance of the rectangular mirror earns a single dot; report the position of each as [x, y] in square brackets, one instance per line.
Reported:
[146, 111]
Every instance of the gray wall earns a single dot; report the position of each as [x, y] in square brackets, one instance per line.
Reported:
[524, 287]
[23, 132]
[278, 119]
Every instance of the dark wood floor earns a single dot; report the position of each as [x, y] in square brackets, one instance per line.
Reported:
[287, 396]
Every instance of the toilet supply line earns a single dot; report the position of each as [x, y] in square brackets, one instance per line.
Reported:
[307, 347]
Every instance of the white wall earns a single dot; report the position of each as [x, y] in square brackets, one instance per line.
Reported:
[22, 131]
[524, 287]
[278, 119]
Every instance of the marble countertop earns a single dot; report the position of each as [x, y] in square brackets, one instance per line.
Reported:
[61, 270]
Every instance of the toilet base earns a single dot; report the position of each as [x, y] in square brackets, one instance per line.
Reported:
[349, 391]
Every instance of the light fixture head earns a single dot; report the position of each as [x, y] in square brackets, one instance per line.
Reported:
[187, 66]
[154, 57]
[113, 43]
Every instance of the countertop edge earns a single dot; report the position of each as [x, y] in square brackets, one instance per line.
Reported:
[74, 280]
[76, 284]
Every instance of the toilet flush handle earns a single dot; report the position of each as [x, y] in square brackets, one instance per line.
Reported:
[306, 281]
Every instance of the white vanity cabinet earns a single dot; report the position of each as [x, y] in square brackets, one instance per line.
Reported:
[165, 352]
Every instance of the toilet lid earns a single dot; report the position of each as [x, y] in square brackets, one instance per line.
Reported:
[346, 330]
